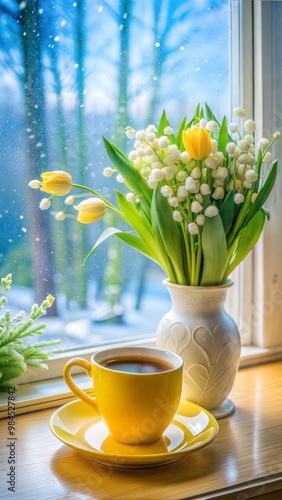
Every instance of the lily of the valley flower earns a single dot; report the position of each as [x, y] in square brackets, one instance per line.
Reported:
[58, 183]
[107, 172]
[250, 126]
[90, 210]
[212, 126]
[233, 128]
[239, 198]
[131, 197]
[193, 228]
[197, 142]
[211, 211]
[69, 200]
[44, 204]
[34, 184]
[240, 112]
[60, 216]
[176, 215]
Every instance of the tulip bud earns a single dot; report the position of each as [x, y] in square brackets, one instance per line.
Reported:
[58, 182]
[91, 205]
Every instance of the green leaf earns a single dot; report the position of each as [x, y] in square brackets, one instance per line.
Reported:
[178, 140]
[223, 137]
[196, 118]
[266, 212]
[131, 239]
[198, 112]
[136, 219]
[142, 226]
[37, 364]
[168, 235]
[227, 211]
[209, 114]
[245, 242]
[132, 177]
[258, 167]
[168, 268]
[9, 372]
[8, 355]
[135, 242]
[214, 251]
[104, 236]
[263, 193]
[163, 124]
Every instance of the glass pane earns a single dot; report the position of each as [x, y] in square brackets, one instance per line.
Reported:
[70, 73]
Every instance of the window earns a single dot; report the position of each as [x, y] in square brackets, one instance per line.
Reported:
[95, 68]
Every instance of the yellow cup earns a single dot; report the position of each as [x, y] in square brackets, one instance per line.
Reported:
[137, 390]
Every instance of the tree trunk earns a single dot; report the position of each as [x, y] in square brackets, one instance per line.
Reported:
[113, 280]
[122, 111]
[60, 230]
[79, 242]
[42, 272]
[158, 60]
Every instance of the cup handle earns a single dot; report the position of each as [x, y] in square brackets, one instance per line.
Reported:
[83, 363]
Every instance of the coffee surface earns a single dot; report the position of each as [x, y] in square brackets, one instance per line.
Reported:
[138, 365]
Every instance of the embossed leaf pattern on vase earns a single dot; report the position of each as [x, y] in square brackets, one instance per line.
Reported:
[176, 335]
[207, 338]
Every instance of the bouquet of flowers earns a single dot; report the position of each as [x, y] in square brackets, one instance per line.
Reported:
[195, 201]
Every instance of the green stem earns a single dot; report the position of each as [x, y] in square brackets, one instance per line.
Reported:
[240, 219]
[180, 276]
[269, 146]
[193, 261]
[187, 251]
[199, 257]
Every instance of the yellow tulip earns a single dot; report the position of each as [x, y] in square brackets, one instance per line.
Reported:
[197, 142]
[58, 182]
[88, 218]
[90, 210]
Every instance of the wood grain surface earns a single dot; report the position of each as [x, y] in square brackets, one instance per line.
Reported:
[243, 462]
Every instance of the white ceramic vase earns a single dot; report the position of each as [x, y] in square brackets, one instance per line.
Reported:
[207, 338]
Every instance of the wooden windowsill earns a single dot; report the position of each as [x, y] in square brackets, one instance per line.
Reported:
[243, 462]
[53, 392]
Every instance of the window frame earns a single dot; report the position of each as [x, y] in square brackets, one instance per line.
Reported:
[252, 59]
[267, 313]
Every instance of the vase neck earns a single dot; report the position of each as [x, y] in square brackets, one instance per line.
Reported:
[197, 299]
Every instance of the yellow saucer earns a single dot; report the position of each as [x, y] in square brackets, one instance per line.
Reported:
[80, 427]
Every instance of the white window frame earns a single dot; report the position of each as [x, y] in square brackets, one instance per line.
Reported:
[267, 313]
[257, 295]
[241, 64]
[253, 295]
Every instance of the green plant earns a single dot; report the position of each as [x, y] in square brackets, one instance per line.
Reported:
[196, 198]
[15, 356]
